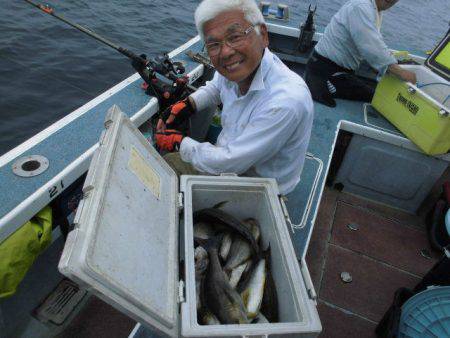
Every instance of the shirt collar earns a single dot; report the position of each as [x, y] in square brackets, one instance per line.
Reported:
[258, 79]
[264, 66]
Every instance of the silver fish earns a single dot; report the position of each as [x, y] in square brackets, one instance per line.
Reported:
[226, 245]
[236, 274]
[207, 318]
[269, 304]
[220, 204]
[218, 295]
[201, 264]
[253, 293]
[260, 319]
[203, 230]
[223, 221]
[240, 249]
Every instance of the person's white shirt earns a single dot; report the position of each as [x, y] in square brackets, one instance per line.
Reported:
[353, 35]
[265, 132]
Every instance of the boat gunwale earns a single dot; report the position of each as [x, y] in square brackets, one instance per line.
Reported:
[27, 208]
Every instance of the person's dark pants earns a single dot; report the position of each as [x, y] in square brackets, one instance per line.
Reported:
[327, 80]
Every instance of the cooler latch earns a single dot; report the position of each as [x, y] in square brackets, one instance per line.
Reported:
[181, 298]
[180, 200]
[228, 174]
[444, 113]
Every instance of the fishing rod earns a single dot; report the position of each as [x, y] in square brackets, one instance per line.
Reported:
[146, 68]
[47, 9]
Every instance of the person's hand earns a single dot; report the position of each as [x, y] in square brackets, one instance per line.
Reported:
[402, 73]
[408, 76]
[175, 115]
[139, 65]
[169, 139]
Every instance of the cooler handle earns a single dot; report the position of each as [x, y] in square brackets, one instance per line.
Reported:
[286, 213]
[308, 281]
[412, 89]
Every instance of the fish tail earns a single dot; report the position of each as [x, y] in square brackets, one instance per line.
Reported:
[212, 243]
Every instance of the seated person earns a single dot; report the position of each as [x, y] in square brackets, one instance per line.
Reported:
[267, 109]
[352, 35]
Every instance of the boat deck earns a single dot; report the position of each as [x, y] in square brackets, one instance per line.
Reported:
[370, 254]
[383, 255]
[364, 255]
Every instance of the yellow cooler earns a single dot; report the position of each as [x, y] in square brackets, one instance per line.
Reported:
[421, 111]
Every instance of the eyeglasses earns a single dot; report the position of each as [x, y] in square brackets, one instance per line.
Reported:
[233, 40]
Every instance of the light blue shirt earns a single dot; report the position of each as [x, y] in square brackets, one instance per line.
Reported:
[265, 132]
[353, 35]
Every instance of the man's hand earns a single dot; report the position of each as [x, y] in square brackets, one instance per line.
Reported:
[403, 74]
[408, 77]
[169, 139]
[176, 114]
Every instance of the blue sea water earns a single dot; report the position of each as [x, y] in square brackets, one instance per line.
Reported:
[48, 69]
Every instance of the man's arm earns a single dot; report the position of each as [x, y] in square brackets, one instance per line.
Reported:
[403, 74]
[370, 44]
[368, 39]
[207, 95]
[262, 138]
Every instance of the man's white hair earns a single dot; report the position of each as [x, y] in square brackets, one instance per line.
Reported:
[209, 9]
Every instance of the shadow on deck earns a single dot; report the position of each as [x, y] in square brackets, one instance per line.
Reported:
[98, 319]
[383, 254]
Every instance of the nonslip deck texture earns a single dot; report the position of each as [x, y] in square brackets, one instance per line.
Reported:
[383, 255]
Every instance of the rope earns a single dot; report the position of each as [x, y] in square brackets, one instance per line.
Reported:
[432, 84]
[446, 99]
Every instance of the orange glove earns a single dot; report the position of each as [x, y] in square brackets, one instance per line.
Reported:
[169, 140]
[176, 114]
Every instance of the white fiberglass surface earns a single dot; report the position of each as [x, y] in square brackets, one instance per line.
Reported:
[246, 202]
[132, 249]
[432, 84]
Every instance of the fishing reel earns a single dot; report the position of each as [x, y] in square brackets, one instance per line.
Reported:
[163, 78]
[166, 67]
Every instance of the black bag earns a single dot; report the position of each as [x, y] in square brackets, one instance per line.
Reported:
[388, 326]
[439, 275]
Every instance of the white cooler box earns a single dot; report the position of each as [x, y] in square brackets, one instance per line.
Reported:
[125, 246]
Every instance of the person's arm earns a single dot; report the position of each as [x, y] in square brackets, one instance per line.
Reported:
[370, 44]
[368, 39]
[262, 138]
[207, 95]
[403, 74]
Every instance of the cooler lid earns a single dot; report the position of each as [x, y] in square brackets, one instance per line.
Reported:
[129, 225]
[439, 60]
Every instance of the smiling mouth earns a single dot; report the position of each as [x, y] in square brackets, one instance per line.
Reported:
[233, 66]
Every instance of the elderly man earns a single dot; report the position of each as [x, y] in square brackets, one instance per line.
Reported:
[352, 35]
[267, 109]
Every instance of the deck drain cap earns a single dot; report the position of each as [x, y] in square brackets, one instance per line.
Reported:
[353, 226]
[29, 166]
[425, 253]
[346, 277]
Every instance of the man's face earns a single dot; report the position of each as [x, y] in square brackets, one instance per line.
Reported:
[385, 4]
[237, 63]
